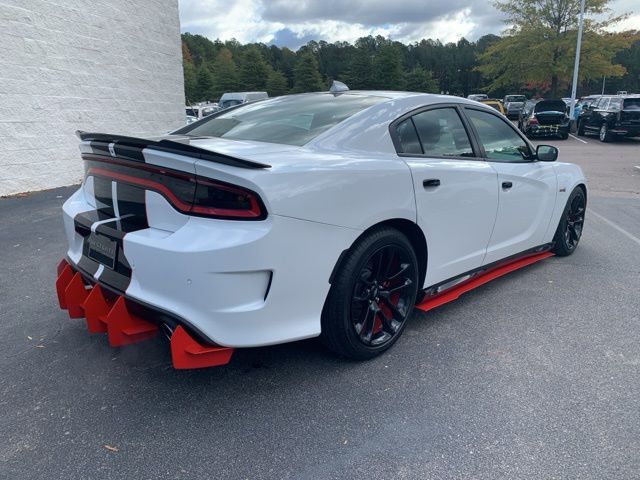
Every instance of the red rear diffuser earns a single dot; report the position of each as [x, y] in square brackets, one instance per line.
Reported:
[122, 327]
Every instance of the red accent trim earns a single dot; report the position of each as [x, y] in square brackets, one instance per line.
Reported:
[96, 309]
[63, 263]
[181, 206]
[454, 292]
[188, 353]
[75, 295]
[124, 328]
[62, 282]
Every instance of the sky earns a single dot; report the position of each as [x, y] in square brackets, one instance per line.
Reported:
[293, 23]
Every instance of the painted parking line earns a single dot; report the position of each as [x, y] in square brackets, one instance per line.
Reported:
[576, 138]
[617, 227]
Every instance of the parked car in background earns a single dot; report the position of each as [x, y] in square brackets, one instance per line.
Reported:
[478, 97]
[513, 105]
[610, 117]
[580, 104]
[190, 119]
[202, 110]
[547, 118]
[231, 99]
[494, 103]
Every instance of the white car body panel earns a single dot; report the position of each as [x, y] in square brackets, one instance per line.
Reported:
[524, 210]
[252, 283]
[456, 217]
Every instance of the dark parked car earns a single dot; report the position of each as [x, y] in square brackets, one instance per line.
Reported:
[545, 118]
[513, 105]
[610, 117]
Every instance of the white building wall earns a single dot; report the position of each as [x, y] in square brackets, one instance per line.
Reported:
[111, 66]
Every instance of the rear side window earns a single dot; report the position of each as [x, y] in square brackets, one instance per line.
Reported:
[409, 142]
[441, 133]
[500, 141]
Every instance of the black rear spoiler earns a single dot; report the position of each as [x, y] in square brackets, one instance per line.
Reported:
[131, 148]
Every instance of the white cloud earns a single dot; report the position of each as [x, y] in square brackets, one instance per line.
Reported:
[339, 20]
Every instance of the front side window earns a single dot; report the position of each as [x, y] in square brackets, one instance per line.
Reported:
[442, 133]
[500, 141]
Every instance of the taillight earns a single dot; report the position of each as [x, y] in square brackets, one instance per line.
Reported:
[187, 193]
[221, 200]
[533, 121]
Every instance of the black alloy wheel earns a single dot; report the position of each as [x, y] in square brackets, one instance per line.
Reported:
[571, 224]
[372, 295]
[381, 295]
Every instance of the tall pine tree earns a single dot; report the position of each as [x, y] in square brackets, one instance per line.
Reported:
[225, 73]
[254, 70]
[306, 75]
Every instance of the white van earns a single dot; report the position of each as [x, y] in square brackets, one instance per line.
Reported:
[236, 98]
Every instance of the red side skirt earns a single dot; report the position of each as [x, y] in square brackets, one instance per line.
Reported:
[454, 292]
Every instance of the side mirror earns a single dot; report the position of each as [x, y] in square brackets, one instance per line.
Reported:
[546, 153]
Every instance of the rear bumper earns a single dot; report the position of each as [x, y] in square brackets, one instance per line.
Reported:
[547, 130]
[229, 283]
[126, 321]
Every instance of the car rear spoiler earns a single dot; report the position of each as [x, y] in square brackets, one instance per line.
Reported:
[131, 147]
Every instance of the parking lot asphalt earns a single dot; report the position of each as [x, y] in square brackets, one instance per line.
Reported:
[535, 375]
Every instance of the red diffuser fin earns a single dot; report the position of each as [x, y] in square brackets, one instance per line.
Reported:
[124, 328]
[187, 353]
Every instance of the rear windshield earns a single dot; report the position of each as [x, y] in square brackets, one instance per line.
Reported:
[631, 104]
[290, 120]
[551, 106]
[515, 98]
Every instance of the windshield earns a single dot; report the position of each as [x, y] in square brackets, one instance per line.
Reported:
[632, 104]
[515, 98]
[290, 120]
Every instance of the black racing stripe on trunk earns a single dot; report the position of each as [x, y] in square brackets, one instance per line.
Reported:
[103, 195]
[132, 207]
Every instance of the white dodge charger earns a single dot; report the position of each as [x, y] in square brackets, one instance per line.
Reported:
[324, 214]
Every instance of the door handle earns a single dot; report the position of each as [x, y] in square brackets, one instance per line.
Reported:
[431, 182]
[506, 185]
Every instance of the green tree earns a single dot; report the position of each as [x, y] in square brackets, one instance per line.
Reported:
[539, 47]
[189, 73]
[388, 73]
[277, 84]
[306, 76]
[205, 84]
[225, 74]
[360, 71]
[420, 80]
[254, 70]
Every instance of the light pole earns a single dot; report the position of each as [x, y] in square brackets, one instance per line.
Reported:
[576, 65]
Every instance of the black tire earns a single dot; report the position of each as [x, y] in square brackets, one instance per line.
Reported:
[357, 320]
[571, 224]
[564, 136]
[580, 129]
[604, 135]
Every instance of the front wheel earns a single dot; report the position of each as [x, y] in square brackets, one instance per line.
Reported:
[571, 223]
[372, 295]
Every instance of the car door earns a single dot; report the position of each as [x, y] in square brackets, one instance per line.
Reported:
[456, 191]
[594, 121]
[527, 188]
